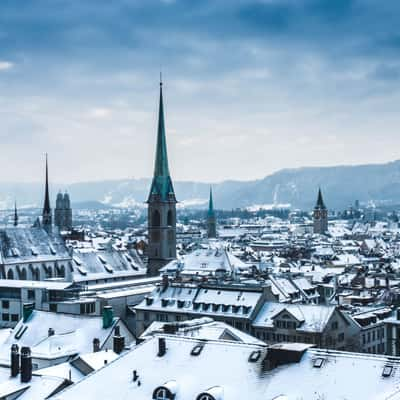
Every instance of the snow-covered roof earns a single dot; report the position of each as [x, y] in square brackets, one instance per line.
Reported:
[73, 334]
[204, 329]
[313, 318]
[236, 371]
[31, 245]
[103, 264]
[206, 262]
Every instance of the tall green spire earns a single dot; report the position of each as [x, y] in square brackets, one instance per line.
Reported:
[162, 183]
[211, 205]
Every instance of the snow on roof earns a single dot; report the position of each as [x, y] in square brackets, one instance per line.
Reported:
[51, 285]
[313, 318]
[31, 244]
[74, 334]
[100, 264]
[226, 366]
[207, 261]
[203, 300]
[40, 386]
[204, 329]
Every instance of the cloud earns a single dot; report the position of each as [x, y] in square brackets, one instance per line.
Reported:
[6, 65]
[99, 112]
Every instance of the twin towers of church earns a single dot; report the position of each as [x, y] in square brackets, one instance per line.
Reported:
[162, 205]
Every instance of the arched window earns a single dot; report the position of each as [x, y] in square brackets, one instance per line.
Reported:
[156, 218]
[205, 396]
[161, 394]
[61, 271]
[170, 221]
[35, 274]
[22, 274]
[49, 272]
[10, 274]
[164, 393]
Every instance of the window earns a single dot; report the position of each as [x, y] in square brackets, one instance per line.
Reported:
[387, 371]
[156, 218]
[318, 362]
[14, 317]
[170, 218]
[6, 317]
[87, 308]
[205, 396]
[161, 394]
[22, 274]
[341, 337]
[335, 325]
[31, 294]
[10, 274]
[53, 307]
[5, 304]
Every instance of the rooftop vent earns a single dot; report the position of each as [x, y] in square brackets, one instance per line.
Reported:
[149, 301]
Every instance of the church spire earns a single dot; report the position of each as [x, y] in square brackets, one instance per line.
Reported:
[162, 183]
[46, 215]
[161, 210]
[211, 220]
[320, 201]
[15, 214]
[211, 204]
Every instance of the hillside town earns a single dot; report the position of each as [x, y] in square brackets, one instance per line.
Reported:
[305, 297]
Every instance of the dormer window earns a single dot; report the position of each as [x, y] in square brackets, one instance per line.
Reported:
[166, 392]
[205, 397]
[214, 393]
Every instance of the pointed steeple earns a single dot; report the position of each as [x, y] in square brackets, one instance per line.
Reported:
[162, 183]
[211, 204]
[46, 214]
[46, 206]
[15, 214]
[320, 202]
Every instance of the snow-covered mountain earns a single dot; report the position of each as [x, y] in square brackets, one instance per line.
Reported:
[341, 185]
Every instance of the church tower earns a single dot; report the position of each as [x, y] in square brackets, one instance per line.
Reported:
[161, 205]
[46, 215]
[211, 220]
[320, 216]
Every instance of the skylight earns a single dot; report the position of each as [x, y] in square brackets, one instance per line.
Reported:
[318, 362]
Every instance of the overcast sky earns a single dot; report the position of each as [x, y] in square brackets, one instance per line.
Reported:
[250, 86]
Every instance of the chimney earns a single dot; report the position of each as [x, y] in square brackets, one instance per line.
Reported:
[51, 332]
[108, 317]
[96, 345]
[26, 365]
[118, 341]
[14, 360]
[27, 310]
[162, 347]
[165, 282]
[135, 376]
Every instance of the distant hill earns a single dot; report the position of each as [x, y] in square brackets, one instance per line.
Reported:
[341, 186]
